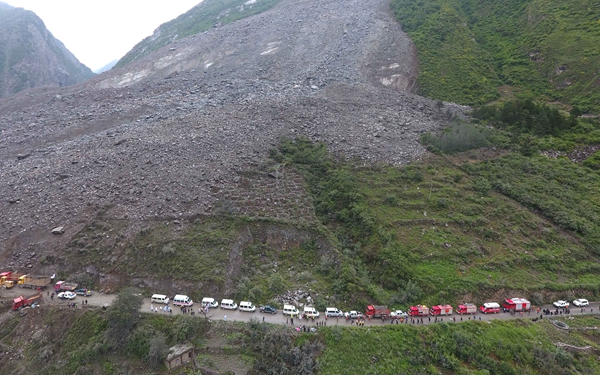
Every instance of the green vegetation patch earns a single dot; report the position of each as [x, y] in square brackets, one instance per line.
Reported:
[471, 52]
[498, 347]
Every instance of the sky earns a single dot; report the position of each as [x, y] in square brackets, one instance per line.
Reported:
[100, 31]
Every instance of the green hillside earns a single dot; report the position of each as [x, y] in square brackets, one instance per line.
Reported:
[198, 19]
[473, 52]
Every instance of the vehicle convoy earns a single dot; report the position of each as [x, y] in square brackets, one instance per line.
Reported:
[490, 308]
[63, 286]
[467, 308]
[377, 312]
[418, 310]
[516, 304]
[20, 302]
[34, 281]
[441, 310]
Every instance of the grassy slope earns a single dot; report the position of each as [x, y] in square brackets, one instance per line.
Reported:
[198, 19]
[50, 341]
[469, 49]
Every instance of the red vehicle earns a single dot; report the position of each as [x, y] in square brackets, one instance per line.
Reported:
[441, 310]
[467, 308]
[516, 304]
[490, 308]
[9, 276]
[20, 302]
[63, 286]
[419, 310]
[377, 312]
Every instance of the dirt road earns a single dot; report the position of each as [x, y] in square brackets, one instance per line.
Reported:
[99, 300]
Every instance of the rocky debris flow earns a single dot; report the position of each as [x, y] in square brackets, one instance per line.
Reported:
[187, 131]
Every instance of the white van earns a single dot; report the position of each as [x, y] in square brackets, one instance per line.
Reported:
[290, 310]
[310, 312]
[247, 306]
[228, 304]
[333, 311]
[182, 300]
[210, 302]
[160, 298]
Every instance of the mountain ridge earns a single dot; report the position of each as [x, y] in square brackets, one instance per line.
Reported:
[30, 56]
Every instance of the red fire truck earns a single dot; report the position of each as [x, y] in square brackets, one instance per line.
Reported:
[419, 310]
[490, 308]
[441, 310]
[467, 308]
[516, 304]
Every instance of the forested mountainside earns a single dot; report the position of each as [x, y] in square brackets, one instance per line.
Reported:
[473, 52]
[30, 56]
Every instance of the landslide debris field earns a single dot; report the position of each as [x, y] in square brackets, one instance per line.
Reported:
[190, 125]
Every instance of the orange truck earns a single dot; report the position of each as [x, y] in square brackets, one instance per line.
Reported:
[20, 302]
[34, 282]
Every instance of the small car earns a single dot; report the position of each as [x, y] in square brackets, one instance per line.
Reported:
[83, 292]
[398, 314]
[560, 303]
[66, 295]
[211, 302]
[333, 312]
[354, 315]
[268, 309]
[581, 302]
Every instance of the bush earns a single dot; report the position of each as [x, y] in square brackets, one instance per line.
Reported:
[122, 316]
[158, 350]
[460, 136]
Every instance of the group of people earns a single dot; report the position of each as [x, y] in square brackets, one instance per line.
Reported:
[165, 308]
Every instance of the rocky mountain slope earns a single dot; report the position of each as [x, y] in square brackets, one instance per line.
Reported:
[186, 130]
[202, 17]
[31, 57]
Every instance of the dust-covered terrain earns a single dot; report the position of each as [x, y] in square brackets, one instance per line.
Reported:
[175, 134]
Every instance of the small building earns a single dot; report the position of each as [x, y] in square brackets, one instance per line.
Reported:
[179, 355]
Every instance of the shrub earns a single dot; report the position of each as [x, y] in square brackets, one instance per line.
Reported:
[158, 350]
[460, 136]
[122, 316]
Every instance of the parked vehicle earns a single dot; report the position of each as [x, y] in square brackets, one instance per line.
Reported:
[34, 281]
[333, 312]
[467, 308]
[20, 302]
[581, 302]
[66, 295]
[490, 308]
[160, 298]
[228, 304]
[210, 302]
[418, 310]
[377, 311]
[63, 286]
[268, 309]
[182, 300]
[441, 310]
[398, 314]
[290, 310]
[353, 314]
[9, 276]
[86, 292]
[310, 312]
[7, 284]
[516, 304]
[560, 304]
[247, 306]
